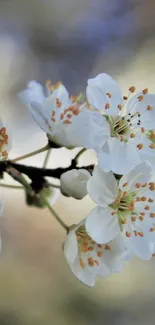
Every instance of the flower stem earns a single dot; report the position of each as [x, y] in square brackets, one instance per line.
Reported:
[62, 223]
[33, 153]
[47, 158]
[12, 186]
[79, 153]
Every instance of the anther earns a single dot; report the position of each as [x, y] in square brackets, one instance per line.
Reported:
[152, 146]
[138, 185]
[99, 254]
[140, 146]
[141, 234]
[120, 107]
[132, 89]
[133, 219]
[132, 135]
[140, 98]
[145, 91]
[107, 106]
[149, 108]
[125, 97]
[147, 207]
[152, 215]
[109, 95]
[128, 234]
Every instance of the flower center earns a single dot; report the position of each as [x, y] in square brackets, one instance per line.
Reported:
[119, 127]
[124, 205]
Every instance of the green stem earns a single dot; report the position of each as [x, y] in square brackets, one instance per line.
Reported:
[12, 186]
[33, 153]
[79, 153]
[47, 158]
[62, 223]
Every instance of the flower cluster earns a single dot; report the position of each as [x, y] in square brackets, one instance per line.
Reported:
[121, 131]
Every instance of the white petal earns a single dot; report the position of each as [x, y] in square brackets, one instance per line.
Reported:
[147, 116]
[97, 91]
[88, 129]
[118, 156]
[70, 247]
[84, 275]
[142, 247]
[102, 187]
[38, 113]
[117, 255]
[140, 174]
[74, 183]
[101, 225]
[33, 93]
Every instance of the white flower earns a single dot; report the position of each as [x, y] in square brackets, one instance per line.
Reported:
[127, 207]
[87, 259]
[74, 183]
[132, 135]
[5, 141]
[66, 121]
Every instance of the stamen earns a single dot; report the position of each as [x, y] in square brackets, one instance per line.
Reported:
[141, 234]
[149, 108]
[109, 95]
[150, 200]
[143, 130]
[132, 135]
[145, 91]
[107, 247]
[125, 97]
[152, 146]
[82, 264]
[132, 89]
[140, 146]
[133, 219]
[67, 122]
[99, 254]
[120, 107]
[152, 229]
[152, 186]
[141, 218]
[58, 103]
[147, 207]
[128, 234]
[143, 198]
[91, 261]
[107, 106]
[140, 98]
[152, 215]
[138, 185]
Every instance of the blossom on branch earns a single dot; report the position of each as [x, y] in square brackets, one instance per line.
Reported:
[66, 120]
[132, 124]
[126, 207]
[87, 259]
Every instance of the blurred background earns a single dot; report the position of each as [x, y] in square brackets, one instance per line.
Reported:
[67, 40]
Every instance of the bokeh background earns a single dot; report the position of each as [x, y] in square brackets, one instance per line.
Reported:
[67, 40]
